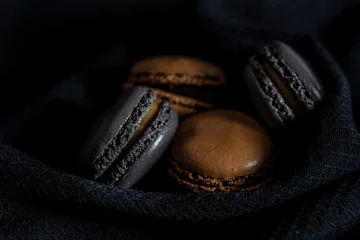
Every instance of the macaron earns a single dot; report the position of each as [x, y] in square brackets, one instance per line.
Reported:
[282, 84]
[128, 139]
[221, 150]
[190, 84]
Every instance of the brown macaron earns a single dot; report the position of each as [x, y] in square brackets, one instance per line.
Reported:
[190, 84]
[221, 150]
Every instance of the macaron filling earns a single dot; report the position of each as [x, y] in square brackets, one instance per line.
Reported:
[176, 78]
[198, 182]
[144, 124]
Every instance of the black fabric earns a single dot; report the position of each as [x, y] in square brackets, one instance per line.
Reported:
[62, 64]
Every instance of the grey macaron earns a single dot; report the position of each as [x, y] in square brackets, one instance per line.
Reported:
[282, 85]
[128, 139]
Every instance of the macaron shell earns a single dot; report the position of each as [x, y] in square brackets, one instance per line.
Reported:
[178, 64]
[109, 124]
[152, 153]
[221, 144]
[269, 103]
[114, 130]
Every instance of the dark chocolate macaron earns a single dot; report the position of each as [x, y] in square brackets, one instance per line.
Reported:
[190, 84]
[282, 84]
[221, 150]
[128, 139]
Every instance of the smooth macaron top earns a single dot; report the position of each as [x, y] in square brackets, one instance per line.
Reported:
[178, 65]
[221, 144]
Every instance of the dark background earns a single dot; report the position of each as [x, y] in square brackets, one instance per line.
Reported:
[62, 63]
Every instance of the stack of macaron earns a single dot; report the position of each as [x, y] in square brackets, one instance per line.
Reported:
[170, 102]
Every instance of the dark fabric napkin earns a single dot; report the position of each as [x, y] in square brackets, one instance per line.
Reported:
[62, 63]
